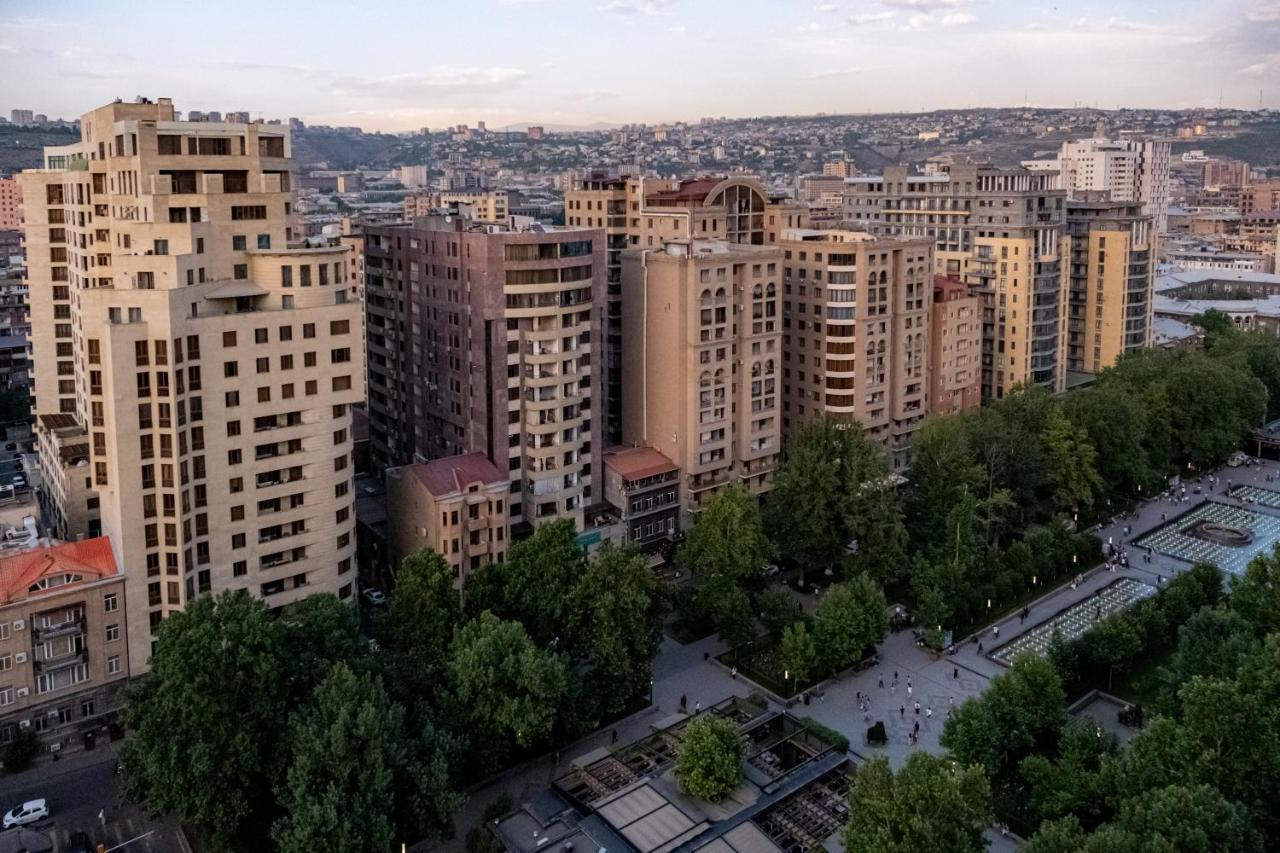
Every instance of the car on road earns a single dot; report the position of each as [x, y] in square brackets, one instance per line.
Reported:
[374, 597]
[29, 812]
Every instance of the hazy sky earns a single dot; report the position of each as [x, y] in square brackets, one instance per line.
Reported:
[397, 64]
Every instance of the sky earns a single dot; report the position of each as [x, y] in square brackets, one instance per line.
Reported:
[398, 65]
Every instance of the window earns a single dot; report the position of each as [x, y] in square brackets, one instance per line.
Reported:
[240, 568]
[238, 243]
[240, 271]
[286, 276]
[110, 603]
[237, 541]
[308, 330]
[342, 383]
[339, 327]
[230, 369]
[113, 665]
[228, 339]
[113, 633]
[264, 241]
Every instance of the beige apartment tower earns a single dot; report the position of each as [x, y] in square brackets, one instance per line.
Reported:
[1110, 301]
[703, 361]
[209, 365]
[855, 332]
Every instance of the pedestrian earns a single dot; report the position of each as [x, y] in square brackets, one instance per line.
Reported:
[684, 702]
[733, 673]
[882, 682]
[902, 711]
[979, 648]
[697, 707]
[895, 676]
[928, 712]
[915, 707]
[955, 672]
[908, 689]
[613, 739]
[995, 630]
[916, 730]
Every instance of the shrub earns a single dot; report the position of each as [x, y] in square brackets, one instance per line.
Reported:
[21, 751]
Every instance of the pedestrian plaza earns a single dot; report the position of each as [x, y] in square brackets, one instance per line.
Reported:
[1075, 620]
[1174, 540]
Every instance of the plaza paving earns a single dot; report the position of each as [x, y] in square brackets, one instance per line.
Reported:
[1076, 619]
[937, 682]
[1175, 538]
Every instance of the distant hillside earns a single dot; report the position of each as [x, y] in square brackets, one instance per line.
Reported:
[1258, 145]
[311, 148]
[22, 147]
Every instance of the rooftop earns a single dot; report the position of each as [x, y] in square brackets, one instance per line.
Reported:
[636, 463]
[453, 474]
[88, 560]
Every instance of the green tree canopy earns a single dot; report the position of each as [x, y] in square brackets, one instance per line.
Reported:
[416, 632]
[709, 758]
[850, 618]
[931, 804]
[799, 652]
[345, 745]
[727, 550]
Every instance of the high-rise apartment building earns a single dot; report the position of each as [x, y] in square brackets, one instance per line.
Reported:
[485, 339]
[997, 230]
[703, 361]
[10, 203]
[1258, 197]
[491, 206]
[955, 348]
[1126, 169]
[201, 369]
[22, 118]
[649, 212]
[1224, 172]
[855, 332]
[1110, 249]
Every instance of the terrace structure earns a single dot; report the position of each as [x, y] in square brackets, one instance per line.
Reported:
[793, 797]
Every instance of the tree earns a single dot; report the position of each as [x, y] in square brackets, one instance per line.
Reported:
[1021, 712]
[726, 549]
[849, 618]
[1213, 642]
[416, 632]
[931, 804]
[318, 631]
[1070, 462]
[1256, 594]
[537, 580]
[206, 724]
[799, 653]
[510, 688]
[777, 607]
[20, 751]
[615, 624]
[1116, 423]
[1114, 643]
[709, 758]
[942, 468]
[345, 745]
[808, 505]
[1072, 783]
[1189, 819]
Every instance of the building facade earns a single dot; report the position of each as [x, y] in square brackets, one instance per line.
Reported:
[486, 339]
[644, 487]
[10, 203]
[63, 641]
[997, 230]
[211, 366]
[701, 382]
[456, 506]
[482, 205]
[955, 348]
[1110, 249]
[855, 332]
[1132, 170]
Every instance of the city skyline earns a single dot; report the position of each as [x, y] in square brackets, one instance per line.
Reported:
[392, 74]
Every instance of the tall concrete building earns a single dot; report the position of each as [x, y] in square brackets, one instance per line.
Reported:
[955, 348]
[10, 203]
[649, 212]
[491, 206]
[855, 332]
[486, 339]
[995, 229]
[1258, 197]
[1126, 169]
[197, 369]
[1110, 248]
[704, 357]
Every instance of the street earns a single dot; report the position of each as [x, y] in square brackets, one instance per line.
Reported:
[78, 789]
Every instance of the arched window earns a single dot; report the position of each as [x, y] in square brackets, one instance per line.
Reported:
[757, 292]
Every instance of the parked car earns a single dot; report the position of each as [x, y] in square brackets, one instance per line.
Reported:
[374, 597]
[29, 812]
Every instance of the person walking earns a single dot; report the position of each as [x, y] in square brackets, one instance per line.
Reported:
[902, 712]
[684, 702]
[955, 672]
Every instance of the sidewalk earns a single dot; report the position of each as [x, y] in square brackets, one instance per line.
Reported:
[47, 771]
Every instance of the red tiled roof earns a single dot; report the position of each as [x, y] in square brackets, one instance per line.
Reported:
[454, 473]
[945, 287]
[636, 463]
[91, 558]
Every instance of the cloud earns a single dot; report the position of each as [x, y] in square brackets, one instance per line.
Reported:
[1264, 13]
[678, 28]
[637, 7]
[927, 5]
[440, 80]
[1265, 67]
[809, 28]
[846, 72]
[827, 7]
[928, 20]
[869, 18]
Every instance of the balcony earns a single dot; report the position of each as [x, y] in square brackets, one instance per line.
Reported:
[61, 662]
[62, 629]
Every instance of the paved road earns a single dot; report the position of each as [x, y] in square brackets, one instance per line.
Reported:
[80, 788]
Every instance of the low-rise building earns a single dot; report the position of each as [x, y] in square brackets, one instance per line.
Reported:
[644, 487]
[455, 506]
[63, 647]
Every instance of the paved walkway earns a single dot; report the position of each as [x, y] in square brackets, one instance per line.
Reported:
[939, 682]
